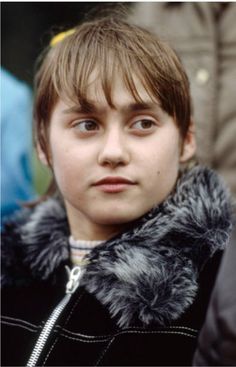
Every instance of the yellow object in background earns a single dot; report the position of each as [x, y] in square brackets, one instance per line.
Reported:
[60, 36]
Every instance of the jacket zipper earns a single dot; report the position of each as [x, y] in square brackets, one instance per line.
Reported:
[71, 286]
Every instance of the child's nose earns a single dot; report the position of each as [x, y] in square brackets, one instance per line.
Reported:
[113, 150]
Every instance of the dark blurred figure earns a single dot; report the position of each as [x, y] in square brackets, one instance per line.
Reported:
[204, 36]
[217, 341]
[16, 144]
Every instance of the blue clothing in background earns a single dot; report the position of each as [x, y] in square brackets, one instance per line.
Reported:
[16, 143]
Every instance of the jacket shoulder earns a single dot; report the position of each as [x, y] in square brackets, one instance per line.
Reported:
[208, 275]
[206, 282]
[13, 269]
[34, 243]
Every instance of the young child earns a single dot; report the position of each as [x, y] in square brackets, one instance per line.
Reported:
[139, 236]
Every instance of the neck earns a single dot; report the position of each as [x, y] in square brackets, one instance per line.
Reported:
[82, 228]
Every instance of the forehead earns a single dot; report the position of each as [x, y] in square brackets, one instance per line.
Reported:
[119, 94]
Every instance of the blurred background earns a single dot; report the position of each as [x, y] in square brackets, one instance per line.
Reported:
[28, 26]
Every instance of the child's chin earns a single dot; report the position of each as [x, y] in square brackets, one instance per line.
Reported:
[117, 217]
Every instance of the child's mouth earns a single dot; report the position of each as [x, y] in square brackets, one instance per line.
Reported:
[114, 184]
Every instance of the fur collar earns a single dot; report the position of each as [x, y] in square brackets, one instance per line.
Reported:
[149, 272]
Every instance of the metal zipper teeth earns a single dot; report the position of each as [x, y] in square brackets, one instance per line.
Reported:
[46, 331]
[72, 285]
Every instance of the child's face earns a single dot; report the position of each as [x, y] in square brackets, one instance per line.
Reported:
[134, 149]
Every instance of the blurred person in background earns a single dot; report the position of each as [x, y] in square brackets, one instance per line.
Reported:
[16, 144]
[217, 341]
[204, 36]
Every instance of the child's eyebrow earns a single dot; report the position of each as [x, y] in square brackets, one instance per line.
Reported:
[84, 108]
[138, 106]
[89, 107]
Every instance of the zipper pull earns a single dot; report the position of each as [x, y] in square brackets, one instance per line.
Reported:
[74, 278]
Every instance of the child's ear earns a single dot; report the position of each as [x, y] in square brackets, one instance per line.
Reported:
[42, 155]
[189, 145]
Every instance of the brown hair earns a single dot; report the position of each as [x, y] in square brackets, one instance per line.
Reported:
[107, 45]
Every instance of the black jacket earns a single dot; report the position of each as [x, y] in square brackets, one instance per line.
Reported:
[143, 294]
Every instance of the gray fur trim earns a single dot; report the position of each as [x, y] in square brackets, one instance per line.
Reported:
[150, 272]
[150, 286]
[45, 238]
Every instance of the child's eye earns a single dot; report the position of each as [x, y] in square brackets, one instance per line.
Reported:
[143, 124]
[86, 125]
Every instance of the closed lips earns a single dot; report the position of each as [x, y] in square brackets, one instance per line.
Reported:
[114, 181]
